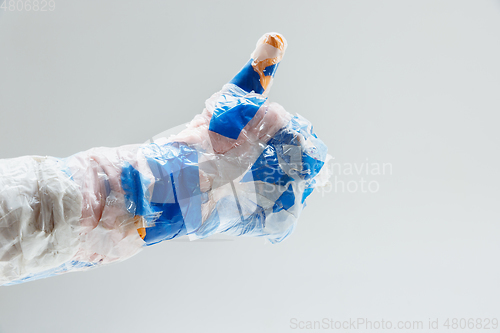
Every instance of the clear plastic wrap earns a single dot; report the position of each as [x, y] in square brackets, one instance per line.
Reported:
[243, 166]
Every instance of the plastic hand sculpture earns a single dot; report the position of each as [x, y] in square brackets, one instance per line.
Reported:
[243, 166]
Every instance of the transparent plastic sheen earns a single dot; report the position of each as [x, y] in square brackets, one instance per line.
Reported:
[243, 167]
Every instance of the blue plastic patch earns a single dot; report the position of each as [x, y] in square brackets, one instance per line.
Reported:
[285, 201]
[308, 190]
[310, 166]
[248, 79]
[271, 70]
[233, 111]
[175, 203]
[170, 223]
[295, 143]
[312, 159]
[136, 192]
[267, 166]
[267, 169]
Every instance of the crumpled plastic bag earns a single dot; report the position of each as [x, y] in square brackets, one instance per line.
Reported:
[242, 167]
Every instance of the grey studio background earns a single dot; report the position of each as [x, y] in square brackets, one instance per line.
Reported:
[412, 84]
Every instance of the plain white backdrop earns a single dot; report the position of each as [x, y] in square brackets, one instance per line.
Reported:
[413, 84]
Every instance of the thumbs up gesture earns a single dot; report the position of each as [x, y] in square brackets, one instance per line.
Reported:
[244, 166]
[257, 163]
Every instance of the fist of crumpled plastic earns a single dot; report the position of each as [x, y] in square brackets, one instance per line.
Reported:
[242, 167]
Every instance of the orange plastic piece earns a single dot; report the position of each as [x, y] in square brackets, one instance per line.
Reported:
[259, 66]
[139, 222]
[142, 232]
